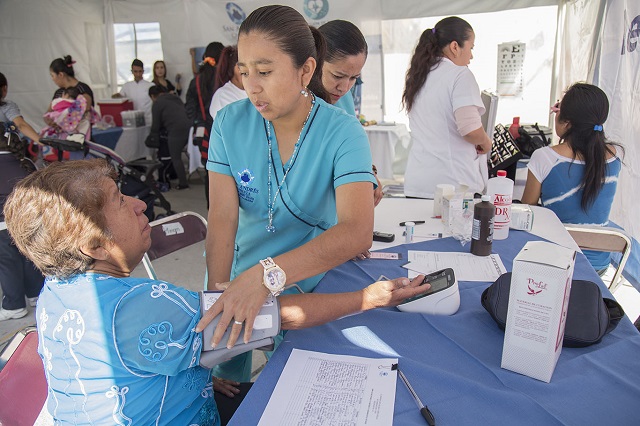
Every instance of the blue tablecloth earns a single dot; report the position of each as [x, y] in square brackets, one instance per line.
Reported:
[107, 137]
[453, 362]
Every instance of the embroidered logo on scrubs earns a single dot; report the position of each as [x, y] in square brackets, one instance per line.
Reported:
[245, 189]
[245, 177]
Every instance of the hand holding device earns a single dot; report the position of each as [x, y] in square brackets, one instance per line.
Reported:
[443, 298]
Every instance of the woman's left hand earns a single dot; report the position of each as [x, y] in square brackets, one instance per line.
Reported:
[239, 304]
[393, 292]
[226, 387]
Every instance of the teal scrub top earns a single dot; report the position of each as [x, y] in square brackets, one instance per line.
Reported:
[333, 151]
[346, 103]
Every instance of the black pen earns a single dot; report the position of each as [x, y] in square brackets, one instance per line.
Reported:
[415, 222]
[424, 410]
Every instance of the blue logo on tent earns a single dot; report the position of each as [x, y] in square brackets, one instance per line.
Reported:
[235, 12]
[316, 9]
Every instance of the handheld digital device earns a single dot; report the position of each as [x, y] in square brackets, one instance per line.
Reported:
[384, 237]
[443, 298]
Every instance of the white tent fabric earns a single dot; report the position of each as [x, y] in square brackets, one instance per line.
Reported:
[591, 34]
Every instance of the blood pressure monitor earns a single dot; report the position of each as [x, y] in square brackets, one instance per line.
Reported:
[443, 298]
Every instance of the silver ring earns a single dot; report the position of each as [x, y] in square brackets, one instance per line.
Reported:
[238, 322]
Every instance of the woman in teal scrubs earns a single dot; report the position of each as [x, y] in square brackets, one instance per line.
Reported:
[290, 175]
[347, 52]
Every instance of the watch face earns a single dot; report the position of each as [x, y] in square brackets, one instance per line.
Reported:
[275, 278]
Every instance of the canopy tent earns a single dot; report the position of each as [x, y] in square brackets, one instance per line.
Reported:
[597, 41]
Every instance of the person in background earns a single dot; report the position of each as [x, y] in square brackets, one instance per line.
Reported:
[347, 52]
[19, 278]
[119, 349]
[199, 94]
[290, 176]
[63, 75]
[228, 86]
[443, 101]
[168, 112]
[137, 90]
[70, 115]
[577, 178]
[9, 112]
[160, 78]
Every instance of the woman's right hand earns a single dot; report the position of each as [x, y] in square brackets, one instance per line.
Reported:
[240, 303]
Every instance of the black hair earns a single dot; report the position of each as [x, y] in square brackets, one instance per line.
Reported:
[156, 90]
[72, 92]
[137, 63]
[293, 35]
[343, 39]
[226, 66]
[207, 72]
[586, 107]
[3, 83]
[429, 52]
[64, 65]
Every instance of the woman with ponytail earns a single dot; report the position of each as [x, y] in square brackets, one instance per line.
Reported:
[198, 99]
[290, 177]
[443, 101]
[577, 178]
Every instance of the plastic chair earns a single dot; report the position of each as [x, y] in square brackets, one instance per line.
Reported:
[23, 385]
[607, 239]
[173, 233]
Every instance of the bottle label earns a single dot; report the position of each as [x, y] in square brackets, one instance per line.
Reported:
[475, 231]
[502, 203]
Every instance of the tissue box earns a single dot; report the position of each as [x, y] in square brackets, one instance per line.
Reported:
[538, 301]
[521, 217]
[133, 118]
[114, 107]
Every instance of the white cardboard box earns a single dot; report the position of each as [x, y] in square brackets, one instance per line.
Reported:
[538, 301]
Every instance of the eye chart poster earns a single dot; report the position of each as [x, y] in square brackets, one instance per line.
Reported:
[510, 68]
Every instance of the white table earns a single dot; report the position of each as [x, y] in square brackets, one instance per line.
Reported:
[389, 148]
[131, 145]
[391, 211]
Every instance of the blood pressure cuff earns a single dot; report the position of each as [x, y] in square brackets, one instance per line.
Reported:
[589, 315]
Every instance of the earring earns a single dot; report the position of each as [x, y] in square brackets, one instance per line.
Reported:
[304, 92]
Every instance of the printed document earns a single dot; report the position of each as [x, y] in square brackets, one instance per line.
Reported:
[466, 266]
[324, 389]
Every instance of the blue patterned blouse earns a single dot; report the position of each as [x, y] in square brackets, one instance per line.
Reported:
[122, 351]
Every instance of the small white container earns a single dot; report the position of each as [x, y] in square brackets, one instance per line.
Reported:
[408, 232]
[442, 190]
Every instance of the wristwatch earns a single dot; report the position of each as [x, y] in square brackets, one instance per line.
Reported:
[274, 277]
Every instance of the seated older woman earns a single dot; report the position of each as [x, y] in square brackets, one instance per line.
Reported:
[118, 349]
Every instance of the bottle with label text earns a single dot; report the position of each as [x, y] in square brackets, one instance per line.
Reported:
[482, 233]
[500, 188]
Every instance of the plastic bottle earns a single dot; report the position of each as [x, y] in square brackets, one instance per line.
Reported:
[513, 128]
[500, 189]
[482, 234]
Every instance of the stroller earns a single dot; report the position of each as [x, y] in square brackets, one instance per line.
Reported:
[135, 177]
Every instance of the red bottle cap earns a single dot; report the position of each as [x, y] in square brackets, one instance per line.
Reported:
[502, 173]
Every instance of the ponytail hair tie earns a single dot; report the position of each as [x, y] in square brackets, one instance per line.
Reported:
[211, 61]
[70, 64]
[433, 30]
[597, 127]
